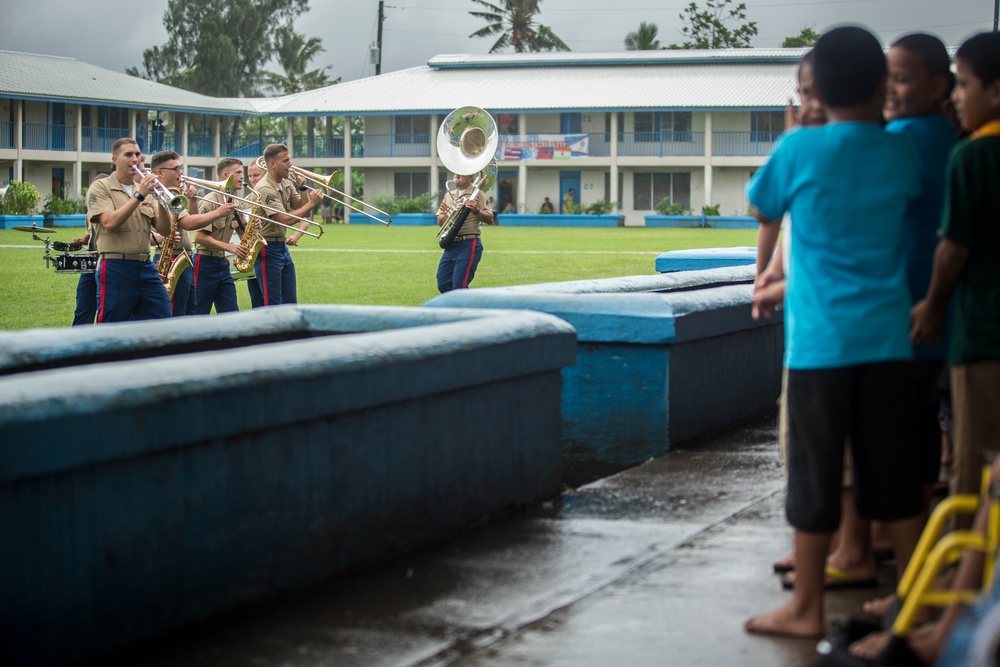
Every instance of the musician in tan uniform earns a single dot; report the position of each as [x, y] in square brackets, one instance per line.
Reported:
[166, 165]
[254, 174]
[121, 212]
[458, 263]
[274, 267]
[213, 280]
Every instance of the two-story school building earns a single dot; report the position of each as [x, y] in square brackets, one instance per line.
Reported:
[631, 128]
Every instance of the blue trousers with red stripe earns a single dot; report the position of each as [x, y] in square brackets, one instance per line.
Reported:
[129, 290]
[275, 274]
[213, 284]
[458, 264]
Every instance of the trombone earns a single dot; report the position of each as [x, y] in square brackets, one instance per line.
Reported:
[326, 182]
[223, 187]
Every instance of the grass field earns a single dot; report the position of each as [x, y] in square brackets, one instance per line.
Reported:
[374, 264]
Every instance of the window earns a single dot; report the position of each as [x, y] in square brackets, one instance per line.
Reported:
[674, 126]
[411, 184]
[767, 125]
[412, 130]
[508, 123]
[649, 189]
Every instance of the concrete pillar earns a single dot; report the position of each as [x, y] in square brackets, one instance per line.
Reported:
[613, 195]
[183, 117]
[522, 168]
[18, 143]
[77, 182]
[434, 155]
[708, 158]
[216, 138]
[348, 151]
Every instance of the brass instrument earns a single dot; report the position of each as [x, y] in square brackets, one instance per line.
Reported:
[467, 144]
[327, 183]
[257, 203]
[250, 238]
[170, 269]
[172, 201]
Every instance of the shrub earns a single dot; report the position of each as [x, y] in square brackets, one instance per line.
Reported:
[711, 210]
[21, 199]
[667, 207]
[602, 207]
[425, 203]
[59, 206]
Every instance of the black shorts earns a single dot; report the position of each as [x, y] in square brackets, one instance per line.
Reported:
[870, 405]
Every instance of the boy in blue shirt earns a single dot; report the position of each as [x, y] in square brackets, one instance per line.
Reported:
[847, 186]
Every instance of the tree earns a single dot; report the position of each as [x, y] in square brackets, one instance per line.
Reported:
[514, 22]
[643, 39]
[807, 37]
[217, 47]
[294, 52]
[707, 29]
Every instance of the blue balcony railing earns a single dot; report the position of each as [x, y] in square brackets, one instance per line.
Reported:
[6, 134]
[45, 137]
[160, 140]
[100, 139]
[201, 145]
[318, 146]
[743, 143]
[249, 145]
[662, 144]
[395, 145]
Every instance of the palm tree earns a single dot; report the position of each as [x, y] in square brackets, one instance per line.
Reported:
[294, 52]
[514, 22]
[643, 39]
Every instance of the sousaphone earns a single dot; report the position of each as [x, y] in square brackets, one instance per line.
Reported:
[467, 145]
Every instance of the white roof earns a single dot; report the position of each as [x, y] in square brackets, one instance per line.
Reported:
[551, 82]
[689, 80]
[41, 77]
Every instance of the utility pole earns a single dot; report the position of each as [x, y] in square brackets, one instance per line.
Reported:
[381, 17]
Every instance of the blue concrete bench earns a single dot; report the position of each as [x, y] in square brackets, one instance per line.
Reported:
[705, 258]
[662, 359]
[144, 485]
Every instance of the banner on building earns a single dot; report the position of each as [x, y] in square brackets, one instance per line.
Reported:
[544, 147]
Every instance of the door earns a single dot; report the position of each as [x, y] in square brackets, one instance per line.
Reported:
[569, 187]
[58, 126]
[58, 182]
[507, 190]
[569, 123]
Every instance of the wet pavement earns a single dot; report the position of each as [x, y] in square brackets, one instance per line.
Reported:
[657, 565]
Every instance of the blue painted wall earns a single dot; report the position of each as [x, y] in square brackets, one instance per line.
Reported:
[137, 496]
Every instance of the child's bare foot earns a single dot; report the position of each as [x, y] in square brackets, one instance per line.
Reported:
[785, 622]
[879, 607]
[927, 641]
[870, 646]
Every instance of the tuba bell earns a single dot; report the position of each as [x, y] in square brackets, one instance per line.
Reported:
[467, 144]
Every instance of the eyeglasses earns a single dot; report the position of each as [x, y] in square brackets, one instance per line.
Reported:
[178, 169]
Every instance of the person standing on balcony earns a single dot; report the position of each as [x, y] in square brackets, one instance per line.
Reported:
[121, 213]
[274, 267]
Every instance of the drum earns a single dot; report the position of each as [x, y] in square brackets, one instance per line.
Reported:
[66, 247]
[84, 262]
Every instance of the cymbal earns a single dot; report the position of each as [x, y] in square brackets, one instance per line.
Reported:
[40, 230]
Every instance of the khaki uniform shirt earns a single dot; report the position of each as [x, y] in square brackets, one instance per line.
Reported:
[473, 222]
[132, 236]
[284, 195]
[221, 229]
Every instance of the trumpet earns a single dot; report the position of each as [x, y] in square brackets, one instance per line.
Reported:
[326, 182]
[208, 185]
[175, 203]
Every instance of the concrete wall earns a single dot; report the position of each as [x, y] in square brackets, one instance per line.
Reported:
[661, 359]
[145, 485]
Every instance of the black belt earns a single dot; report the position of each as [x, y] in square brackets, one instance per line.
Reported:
[212, 253]
[274, 239]
[138, 257]
[465, 237]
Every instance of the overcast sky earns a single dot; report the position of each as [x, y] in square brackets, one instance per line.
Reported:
[114, 34]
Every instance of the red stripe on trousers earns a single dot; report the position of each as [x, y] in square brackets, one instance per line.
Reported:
[104, 285]
[263, 272]
[468, 268]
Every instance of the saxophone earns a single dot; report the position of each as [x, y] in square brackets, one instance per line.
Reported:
[170, 269]
[251, 238]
